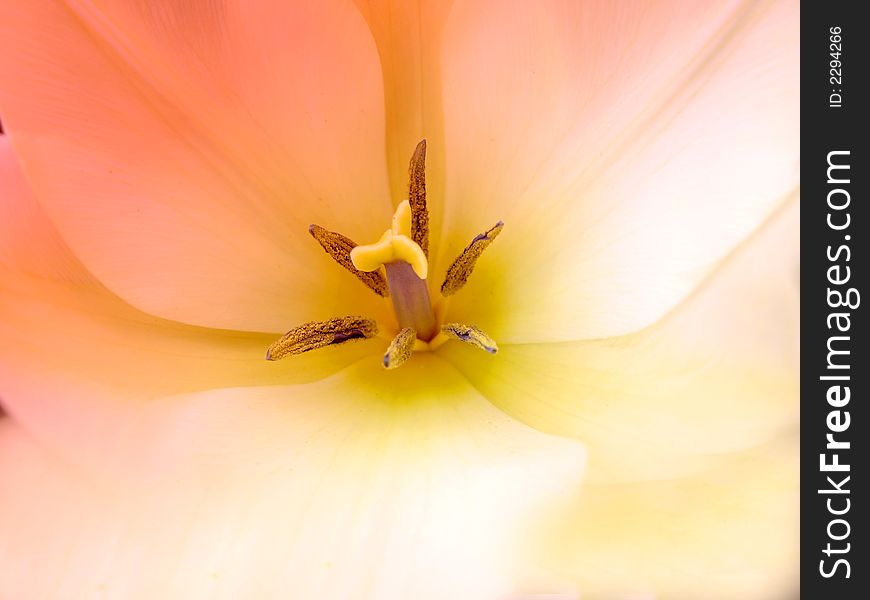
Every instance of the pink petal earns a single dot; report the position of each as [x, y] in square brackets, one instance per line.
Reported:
[28, 242]
[408, 36]
[182, 150]
[75, 361]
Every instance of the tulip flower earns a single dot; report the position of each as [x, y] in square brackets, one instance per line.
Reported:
[601, 401]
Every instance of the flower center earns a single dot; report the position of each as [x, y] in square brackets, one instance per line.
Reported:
[406, 269]
[395, 266]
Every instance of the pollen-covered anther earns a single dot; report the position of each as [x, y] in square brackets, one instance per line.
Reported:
[339, 248]
[417, 198]
[470, 335]
[460, 270]
[395, 245]
[317, 334]
[400, 348]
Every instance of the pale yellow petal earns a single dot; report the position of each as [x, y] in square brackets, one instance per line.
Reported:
[719, 374]
[371, 484]
[726, 533]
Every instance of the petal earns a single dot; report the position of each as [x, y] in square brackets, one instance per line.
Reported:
[719, 374]
[28, 241]
[626, 147]
[408, 38]
[73, 357]
[337, 489]
[183, 148]
[75, 360]
[730, 532]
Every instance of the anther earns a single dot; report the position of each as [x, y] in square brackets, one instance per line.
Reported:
[318, 334]
[400, 348]
[417, 198]
[339, 248]
[470, 335]
[460, 270]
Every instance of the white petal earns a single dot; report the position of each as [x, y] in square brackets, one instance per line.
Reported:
[627, 147]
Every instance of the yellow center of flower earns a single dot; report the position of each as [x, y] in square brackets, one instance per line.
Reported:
[396, 266]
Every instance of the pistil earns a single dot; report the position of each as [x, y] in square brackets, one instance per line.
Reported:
[411, 303]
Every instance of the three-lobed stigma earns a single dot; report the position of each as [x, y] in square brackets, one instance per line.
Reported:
[395, 245]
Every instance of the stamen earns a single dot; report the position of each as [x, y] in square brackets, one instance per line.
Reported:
[461, 269]
[471, 335]
[417, 198]
[339, 248]
[400, 348]
[318, 334]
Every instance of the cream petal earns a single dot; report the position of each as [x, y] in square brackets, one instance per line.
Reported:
[345, 488]
[626, 147]
[718, 374]
[730, 532]
[183, 148]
